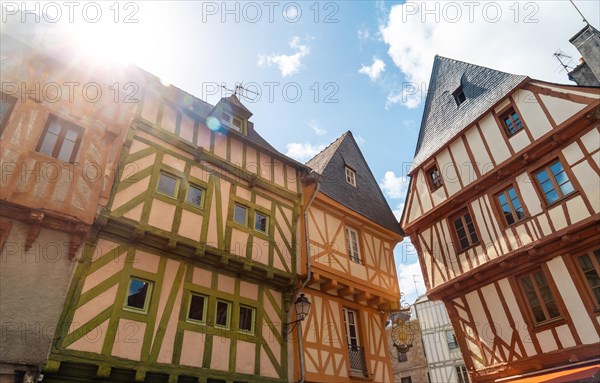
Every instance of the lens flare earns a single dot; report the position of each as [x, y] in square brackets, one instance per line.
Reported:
[213, 123]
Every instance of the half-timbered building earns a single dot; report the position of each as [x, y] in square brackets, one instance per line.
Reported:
[61, 131]
[503, 207]
[191, 271]
[347, 270]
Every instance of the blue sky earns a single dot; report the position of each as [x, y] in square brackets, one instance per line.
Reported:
[350, 60]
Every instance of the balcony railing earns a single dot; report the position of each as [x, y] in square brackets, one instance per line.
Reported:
[358, 363]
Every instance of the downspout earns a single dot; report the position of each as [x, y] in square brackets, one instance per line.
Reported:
[308, 277]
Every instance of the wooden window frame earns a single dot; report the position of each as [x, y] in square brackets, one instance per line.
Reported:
[430, 180]
[456, 95]
[227, 326]
[202, 196]
[356, 259]
[529, 315]
[509, 201]
[247, 215]
[452, 343]
[143, 310]
[204, 309]
[253, 319]
[350, 175]
[268, 219]
[12, 102]
[540, 190]
[177, 184]
[459, 372]
[461, 213]
[65, 125]
[508, 112]
[583, 282]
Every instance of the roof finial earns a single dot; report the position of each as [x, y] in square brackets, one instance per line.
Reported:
[581, 14]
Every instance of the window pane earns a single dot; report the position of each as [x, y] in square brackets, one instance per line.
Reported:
[138, 291]
[66, 150]
[194, 195]
[567, 188]
[167, 184]
[556, 168]
[552, 196]
[260, 222]
[502, 199]
[48, 144]
[196, 308]
[547, 186]
[553, 310]
[542, 176]
[538, 314]
[239, 214]
[222, 314]
[245, 322]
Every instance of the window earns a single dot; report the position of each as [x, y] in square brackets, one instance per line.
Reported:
[261, 222]
[434, 177]
[402, 357]
[222, 314]
[197, 310]
[459, 96]
[7, 104]
[61, 139]
[356, 354]
[511, 122]
[407, 379]
[232, 122]
[463, 376]
[590, 267]
[195, 196]
[240, 214]
[246, 319]
[554, 182]
[510, 205]
[464, 229]
[350, 176]
[167, 184]
[138, 294]
[539, 297]
[352, 245]
[451, 339]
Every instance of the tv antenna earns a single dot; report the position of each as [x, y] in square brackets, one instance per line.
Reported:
[580, 14]
[560, 56]
[240, 91]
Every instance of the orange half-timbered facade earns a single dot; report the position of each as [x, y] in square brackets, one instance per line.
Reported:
[348, 270]
[59, 148]
[503, 207]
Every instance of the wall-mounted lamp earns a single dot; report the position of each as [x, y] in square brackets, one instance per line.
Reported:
[302, 309]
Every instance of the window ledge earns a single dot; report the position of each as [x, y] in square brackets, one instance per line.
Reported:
[468, 248]
[360, 376]
[573, 194]
[546, 325]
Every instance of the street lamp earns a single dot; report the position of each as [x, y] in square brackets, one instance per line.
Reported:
[302, 309]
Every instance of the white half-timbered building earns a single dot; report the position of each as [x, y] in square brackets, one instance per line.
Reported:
[503, 207]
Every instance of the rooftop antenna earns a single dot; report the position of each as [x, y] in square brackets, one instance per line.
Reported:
[560, 56]
[415, 276]
[581, 14]
[239, 90]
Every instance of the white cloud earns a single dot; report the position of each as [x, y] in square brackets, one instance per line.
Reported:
[410, 279]
[314, 125]
[360, 140]
[302, 151]
[515, 37]
[392, 186]
[375, 70]
[287, 64]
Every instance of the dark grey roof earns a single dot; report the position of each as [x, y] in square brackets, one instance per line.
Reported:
[442, 118]
[366, 198]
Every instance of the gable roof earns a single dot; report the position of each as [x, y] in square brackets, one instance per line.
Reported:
[366, 198]
[442, 118]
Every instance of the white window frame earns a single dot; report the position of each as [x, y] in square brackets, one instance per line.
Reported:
[230, 122]
[351, 314]
[350, 176]
[353, 245]
[461, 372]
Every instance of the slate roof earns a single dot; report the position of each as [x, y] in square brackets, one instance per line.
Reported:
[366, 198]
[442, 118]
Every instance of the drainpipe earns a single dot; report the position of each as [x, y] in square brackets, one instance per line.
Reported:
[308, 276]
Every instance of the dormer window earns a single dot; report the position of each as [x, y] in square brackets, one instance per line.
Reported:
[350, 176]
[232, 122]
[459, 96]
[435, 177]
